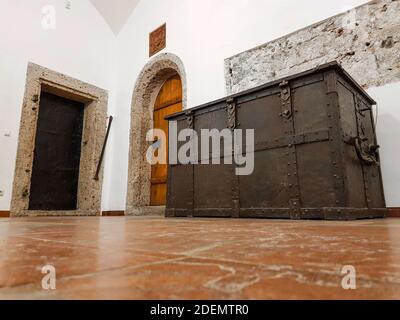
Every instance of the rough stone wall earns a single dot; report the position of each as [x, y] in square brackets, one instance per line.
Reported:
[365, 41]
[147, 87]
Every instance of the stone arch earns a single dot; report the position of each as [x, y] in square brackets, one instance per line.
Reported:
[148, 84]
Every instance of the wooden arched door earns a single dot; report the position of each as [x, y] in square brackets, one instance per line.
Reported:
[169, 101]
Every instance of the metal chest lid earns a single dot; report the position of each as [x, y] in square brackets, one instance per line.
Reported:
[334, 65]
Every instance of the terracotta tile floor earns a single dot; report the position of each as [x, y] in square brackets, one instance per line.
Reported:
[157, 258]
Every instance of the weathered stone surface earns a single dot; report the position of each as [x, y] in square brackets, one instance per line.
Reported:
[89, 190]
[365, 41]
[147, 87]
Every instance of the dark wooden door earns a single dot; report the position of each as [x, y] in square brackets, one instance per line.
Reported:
[169, 101]
[55, 173]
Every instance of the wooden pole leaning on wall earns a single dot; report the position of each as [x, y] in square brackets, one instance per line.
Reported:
[110, 120]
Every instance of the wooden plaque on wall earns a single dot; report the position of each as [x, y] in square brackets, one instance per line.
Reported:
[158, 40]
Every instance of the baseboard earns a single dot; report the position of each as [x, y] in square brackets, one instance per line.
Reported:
[113, 213]
[393, 213]
[4, 214]
[146, 211]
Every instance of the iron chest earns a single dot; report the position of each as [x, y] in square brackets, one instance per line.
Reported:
[315, 153]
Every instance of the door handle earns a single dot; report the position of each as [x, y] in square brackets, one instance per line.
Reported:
[366, 153]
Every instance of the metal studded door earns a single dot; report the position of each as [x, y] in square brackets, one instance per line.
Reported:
[212, 181]
[266, 190]
[55, 172]
[180, 178]
[292, 151]
[361, 158]
[367, 152]
[314, 142]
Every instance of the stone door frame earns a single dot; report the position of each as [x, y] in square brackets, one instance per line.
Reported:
[148, 84]
[40, 79]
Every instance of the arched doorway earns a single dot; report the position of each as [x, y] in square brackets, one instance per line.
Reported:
[169, 101]
[147, 89]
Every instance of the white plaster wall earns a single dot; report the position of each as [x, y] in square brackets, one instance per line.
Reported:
[81, 46]
[388, 132]
[202, 33]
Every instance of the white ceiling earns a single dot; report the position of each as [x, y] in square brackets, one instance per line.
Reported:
[115, 12]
